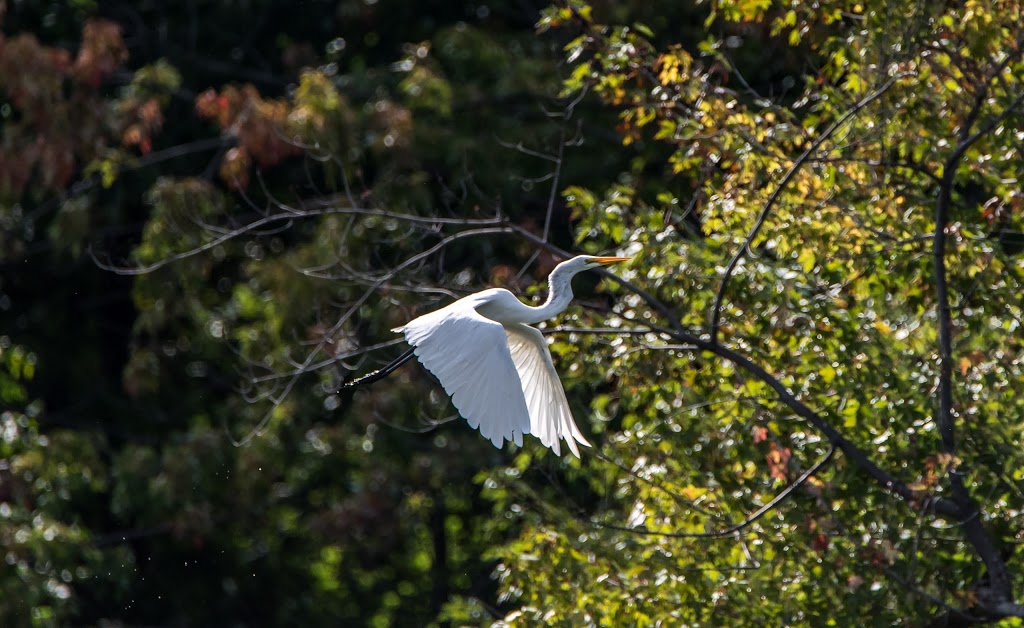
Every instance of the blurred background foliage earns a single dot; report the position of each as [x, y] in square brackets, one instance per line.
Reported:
[213, 212]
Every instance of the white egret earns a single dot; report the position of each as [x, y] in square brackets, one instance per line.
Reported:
[495, 367]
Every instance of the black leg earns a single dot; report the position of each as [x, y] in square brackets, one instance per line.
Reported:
[380, 373]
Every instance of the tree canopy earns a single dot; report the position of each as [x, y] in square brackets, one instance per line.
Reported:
[803, 392]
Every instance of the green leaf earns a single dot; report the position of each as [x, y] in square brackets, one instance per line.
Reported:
[807, 259]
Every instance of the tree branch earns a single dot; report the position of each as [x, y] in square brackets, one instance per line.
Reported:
[716, 311]
[973, 526]
[287, 214]
[860, 459]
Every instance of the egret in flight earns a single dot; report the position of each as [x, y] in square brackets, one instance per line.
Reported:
[496, 367]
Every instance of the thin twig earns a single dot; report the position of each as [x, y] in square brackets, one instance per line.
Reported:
[733, 529]
[287, 214]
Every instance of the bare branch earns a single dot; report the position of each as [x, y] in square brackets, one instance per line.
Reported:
[324, 363]
[304, 366]
[288, 214]
[552, 195]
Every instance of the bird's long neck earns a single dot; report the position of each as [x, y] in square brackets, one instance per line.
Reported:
[559, 296]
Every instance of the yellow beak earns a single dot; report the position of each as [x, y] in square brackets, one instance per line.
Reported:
[611, 260]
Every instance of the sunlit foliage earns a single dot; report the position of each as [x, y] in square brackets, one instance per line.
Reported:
[205, 230]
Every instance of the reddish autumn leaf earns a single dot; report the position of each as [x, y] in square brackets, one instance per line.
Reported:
[102, 52]
[778, 461]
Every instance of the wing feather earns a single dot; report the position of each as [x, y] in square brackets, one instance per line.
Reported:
[550, 417]
[469, 354]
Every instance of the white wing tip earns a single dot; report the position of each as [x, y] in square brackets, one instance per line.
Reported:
[570, 440]
[573, 448]
[498, 440]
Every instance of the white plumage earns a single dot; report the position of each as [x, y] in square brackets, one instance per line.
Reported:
[496, 368]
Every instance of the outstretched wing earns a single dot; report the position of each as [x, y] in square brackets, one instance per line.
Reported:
[469, 354]
[550, 417]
